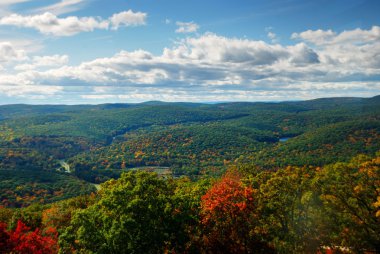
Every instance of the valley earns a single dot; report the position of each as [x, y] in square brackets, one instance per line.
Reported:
[287, 177]
[95, 143]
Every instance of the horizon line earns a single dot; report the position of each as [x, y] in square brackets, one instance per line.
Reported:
[191, 102]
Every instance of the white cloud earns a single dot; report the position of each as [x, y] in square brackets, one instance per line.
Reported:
[317, 37]
[9, 53]
[36, 91]
[212, 67]
[10, 2]
[271, 35]
[44, 61]
[303, 55]
[213, 49]
[26, 45]
[128, 18]
[325, 37]
[50, 24]
[359, 36]
[18, 86]
[186, 27]
[53, 60]
[206, 60]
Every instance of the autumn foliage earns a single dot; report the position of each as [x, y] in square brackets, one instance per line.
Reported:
[25, 241]
[226, 200]
[228, 217]
[290, 210]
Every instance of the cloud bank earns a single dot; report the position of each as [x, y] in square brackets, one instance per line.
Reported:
[208, 67]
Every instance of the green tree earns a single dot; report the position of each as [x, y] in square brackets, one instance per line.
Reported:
[134, 214]
[350, 192]
[288, 209]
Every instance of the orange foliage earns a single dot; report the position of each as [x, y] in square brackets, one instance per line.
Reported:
[228, 217]
[227, 198]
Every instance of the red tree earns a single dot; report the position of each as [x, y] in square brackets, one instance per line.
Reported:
[25, 241]
[228, 218]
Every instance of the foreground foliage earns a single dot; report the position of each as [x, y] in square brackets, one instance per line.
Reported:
[23, 240]
[291, 210]
[134, 214]
[228, 218]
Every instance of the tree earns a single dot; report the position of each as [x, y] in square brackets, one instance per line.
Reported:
[24, 241]
[288, 209]
[186, 201]
[228, 218]
[31, 216]
[350, 192]
[134, 214]
[59, 214]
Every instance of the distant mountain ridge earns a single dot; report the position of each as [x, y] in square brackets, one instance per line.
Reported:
[15, 110]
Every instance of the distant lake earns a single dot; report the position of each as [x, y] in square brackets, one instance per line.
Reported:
[284, 139]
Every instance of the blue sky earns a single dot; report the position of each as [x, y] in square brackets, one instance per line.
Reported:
[96, 51]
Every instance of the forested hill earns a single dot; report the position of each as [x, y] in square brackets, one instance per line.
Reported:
[17, 110]
[86, 144]
[286, 177]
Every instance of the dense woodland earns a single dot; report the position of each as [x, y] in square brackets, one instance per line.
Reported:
[289, 177]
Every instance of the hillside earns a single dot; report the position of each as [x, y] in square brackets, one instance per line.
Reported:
[289, 177]
[100, 142]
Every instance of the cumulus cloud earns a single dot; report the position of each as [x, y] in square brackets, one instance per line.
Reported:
[303, 55]
[127, 18]
[325, 37]
[186, 27]
[50, 24]
[44, 61]
[211, 67]
[212, 48]
[317, 37]
[9, 53]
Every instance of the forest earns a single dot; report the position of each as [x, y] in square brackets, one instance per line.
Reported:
[157, 177]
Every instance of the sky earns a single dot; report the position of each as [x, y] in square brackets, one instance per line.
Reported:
[115, 51]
